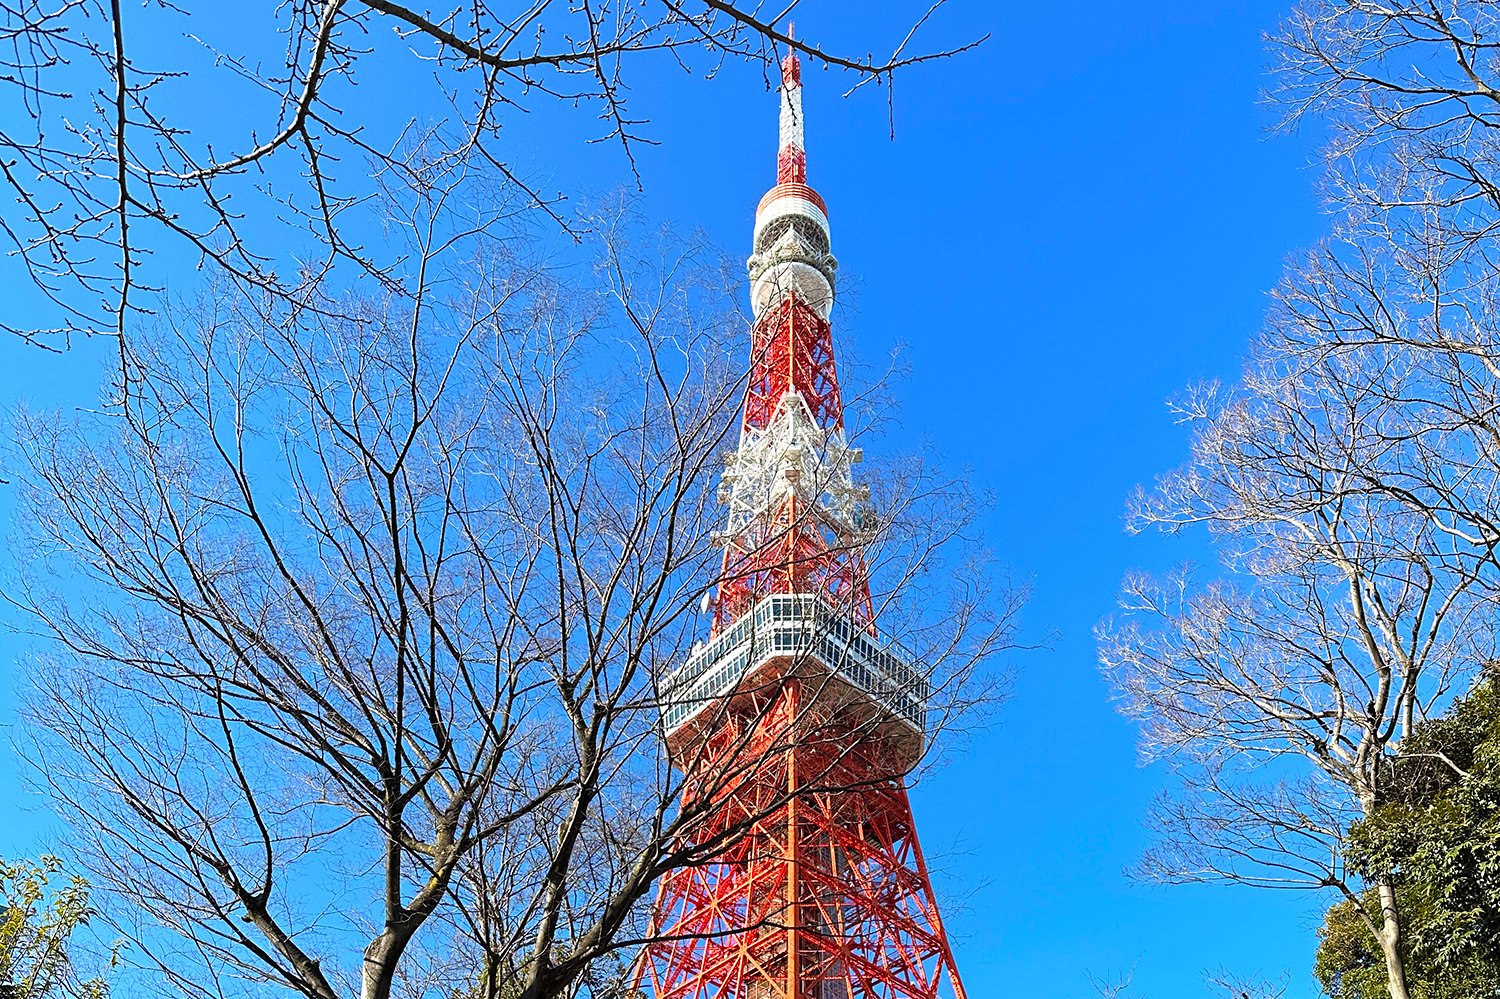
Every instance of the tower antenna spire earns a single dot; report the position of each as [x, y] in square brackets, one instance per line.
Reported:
[791, 157]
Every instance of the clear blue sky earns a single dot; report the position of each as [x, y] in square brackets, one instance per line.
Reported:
[1072, 223]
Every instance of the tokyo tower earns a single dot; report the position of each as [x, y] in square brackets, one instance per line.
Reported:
[796, 722]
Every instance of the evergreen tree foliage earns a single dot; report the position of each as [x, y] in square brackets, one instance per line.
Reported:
[1439, 835]
[37, 920]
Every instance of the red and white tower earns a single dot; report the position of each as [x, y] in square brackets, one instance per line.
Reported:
[796, 723]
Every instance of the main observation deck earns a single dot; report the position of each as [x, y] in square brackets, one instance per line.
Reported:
[806, 636]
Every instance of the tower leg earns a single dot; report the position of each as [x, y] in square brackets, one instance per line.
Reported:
[826, 895]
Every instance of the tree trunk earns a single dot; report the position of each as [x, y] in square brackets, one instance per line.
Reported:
[379, 969]
[1390, 941]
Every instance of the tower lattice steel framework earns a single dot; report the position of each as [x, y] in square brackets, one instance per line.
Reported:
[796, 722]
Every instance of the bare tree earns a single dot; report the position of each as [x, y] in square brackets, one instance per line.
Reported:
[245, 142]
[1222, 983]
[1411, 93]
[1116, 987]
[351, 625]
[1349, 485]
[1350, 482]
[1231, 986]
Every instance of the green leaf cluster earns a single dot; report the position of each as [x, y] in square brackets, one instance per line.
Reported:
[37, 919]
[1437, 837]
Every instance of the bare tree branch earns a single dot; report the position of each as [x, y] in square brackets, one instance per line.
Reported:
[99, 193]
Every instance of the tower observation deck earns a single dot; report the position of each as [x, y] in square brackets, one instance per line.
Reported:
[796, 722]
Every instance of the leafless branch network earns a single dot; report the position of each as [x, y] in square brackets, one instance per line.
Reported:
[151, 131]
[350, 626]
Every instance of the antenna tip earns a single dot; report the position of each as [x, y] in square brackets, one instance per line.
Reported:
[791, 66]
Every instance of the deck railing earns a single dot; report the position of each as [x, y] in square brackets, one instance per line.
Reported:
[797, 626]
